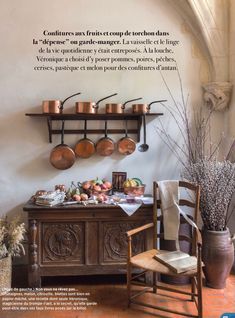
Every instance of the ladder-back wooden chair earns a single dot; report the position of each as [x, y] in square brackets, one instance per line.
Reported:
[146, 261]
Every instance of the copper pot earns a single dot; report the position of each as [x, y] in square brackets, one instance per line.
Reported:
[114, 108]
[55, 106]
[86, 107]
[105, 146]
[62, 156]
[144, 108]
[85, 147]
[126, 145]
[51, 106]
[118, 108]
[89, 107]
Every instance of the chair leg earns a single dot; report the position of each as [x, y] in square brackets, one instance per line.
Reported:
[129, 283]
[199, 291]
[154, 282]
[193, 289]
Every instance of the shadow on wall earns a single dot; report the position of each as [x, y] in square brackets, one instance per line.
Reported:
[18, 132]
[24, 157]
[33, 168]
[22, 145]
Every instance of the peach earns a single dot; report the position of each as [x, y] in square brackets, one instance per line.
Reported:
[108, 184]
[76, 197]
[84, 197]
[100, 198]
[86, 185]
[97, 188]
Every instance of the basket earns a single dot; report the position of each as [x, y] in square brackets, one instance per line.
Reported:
[135, 191]
[93, 192]
[5, 275]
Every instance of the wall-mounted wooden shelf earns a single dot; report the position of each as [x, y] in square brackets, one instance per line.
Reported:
[81, 117]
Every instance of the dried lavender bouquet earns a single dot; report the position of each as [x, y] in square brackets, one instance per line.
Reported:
[217, 181]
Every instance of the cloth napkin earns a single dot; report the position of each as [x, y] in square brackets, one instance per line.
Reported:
[169, 196]
[146, 200]
[171, 211]
[130, 208]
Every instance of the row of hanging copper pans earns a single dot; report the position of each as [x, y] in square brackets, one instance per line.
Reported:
[57, 106]
[63, 157]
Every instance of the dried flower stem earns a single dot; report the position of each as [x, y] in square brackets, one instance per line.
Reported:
[11, 236]
[197, 155]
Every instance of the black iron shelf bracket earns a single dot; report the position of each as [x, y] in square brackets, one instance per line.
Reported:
[138, 117]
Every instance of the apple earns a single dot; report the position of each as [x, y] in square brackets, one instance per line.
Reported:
[105, 196]
[108, 184]
[86, 185]
[77, 197]
[97, 188]
[100, 198]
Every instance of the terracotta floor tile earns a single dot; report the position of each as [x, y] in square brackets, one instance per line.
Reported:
[112, 303]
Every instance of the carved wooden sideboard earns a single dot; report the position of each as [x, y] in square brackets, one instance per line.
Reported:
[81, 240]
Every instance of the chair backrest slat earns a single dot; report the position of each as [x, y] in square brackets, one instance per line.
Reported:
[182, 202]
[186, 201]
[181, 237]
[185, 238]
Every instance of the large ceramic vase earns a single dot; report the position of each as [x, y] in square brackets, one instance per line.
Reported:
[217, 256]
[5, 275]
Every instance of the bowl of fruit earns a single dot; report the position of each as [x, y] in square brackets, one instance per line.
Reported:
[97, 186]
[134, 187]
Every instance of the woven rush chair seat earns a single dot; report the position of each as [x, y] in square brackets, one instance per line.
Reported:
[147, 261]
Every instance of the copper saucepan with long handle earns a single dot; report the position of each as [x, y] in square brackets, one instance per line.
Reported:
[55, 106]
[90, 107]
[105, 146]
[62, 156]
[85, 147]
[126, 145]
[118, 108]
[144, 108]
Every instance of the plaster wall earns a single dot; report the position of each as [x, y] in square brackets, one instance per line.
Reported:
[25, 150]
[232, 70]
[231, 112]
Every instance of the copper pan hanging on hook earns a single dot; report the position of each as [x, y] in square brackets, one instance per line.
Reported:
[105, 146]
[85, 147]
[62, 156]
[126, 145]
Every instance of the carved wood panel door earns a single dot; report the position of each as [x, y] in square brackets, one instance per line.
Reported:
[62, 242]
[113, 241]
